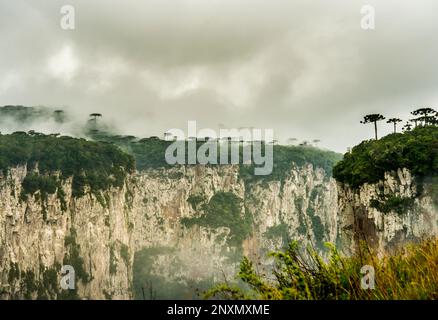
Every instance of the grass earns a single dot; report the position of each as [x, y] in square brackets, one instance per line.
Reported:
[411, 273]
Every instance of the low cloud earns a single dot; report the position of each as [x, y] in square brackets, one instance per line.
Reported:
[305, 69]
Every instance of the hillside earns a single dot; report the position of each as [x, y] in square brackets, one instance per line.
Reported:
[415, 150]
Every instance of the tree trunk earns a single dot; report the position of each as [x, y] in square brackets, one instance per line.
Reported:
[375, 128]
[395, 127]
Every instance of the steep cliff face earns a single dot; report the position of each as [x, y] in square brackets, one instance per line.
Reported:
[180, 243]
[387, 214]
[166, 233]
[37, 237]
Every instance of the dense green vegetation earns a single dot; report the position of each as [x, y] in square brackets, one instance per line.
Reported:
[416, 150]
[73, 257]
[51, 159]
[22, 114]
[304, 275]
[392, 203]
[195, 201]
[225, 210]
[286, 156]
[279, 231]
[149, 154]
[43, 288]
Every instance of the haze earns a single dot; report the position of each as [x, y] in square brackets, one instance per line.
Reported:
[304, 68]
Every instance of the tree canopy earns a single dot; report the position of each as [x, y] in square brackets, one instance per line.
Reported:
[416, 150]
[373, 118]
[94, 164]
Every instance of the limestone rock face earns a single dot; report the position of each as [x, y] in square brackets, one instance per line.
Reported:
[387, 214]
[147, 236]
[34, 241]
[101, 234]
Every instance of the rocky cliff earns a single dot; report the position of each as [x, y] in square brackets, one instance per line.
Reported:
[170, 232]
[158, 236]
[398, 209]
[38, 237]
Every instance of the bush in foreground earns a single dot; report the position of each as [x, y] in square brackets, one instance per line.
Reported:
[411, 273]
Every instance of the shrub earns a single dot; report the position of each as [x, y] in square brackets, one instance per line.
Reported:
[408, 274]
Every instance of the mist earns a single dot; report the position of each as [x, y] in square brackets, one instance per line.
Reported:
[305, 69]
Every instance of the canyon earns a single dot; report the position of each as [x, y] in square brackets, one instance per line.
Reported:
[158, 236]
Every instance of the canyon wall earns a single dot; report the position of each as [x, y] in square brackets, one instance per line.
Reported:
[148, 239]
[398, 209]
[159, 236]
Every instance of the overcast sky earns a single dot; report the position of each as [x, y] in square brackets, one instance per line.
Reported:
[304, 68]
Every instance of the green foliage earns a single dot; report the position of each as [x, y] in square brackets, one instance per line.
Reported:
[30, 285]
[108, 296]
[318, 230]
[149, 153]
[416, 150]
[14, 273]
[73, 257]
[195, 200]
[304, 275]
[113, 260]
[44, 287]
[316, 191]
[45, 185]
[25, 115]
[392, 203]
[278, 231]
[124, 253]
[96, 165]
[286, 156]
[50, 281]
[225, 210]
[302, 227]
[34, 182]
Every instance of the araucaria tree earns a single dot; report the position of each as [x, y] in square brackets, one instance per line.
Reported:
[373, 118]
[434, 120]
[93, 121]
[426, 115]
[407, 127]
[95, 116]
[394, 121]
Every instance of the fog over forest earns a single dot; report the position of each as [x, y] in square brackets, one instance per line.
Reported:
[305, 69]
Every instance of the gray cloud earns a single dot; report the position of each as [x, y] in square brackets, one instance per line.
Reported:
[304, 68]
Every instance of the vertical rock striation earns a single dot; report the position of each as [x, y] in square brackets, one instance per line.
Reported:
[387, 214]
[141, 229]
